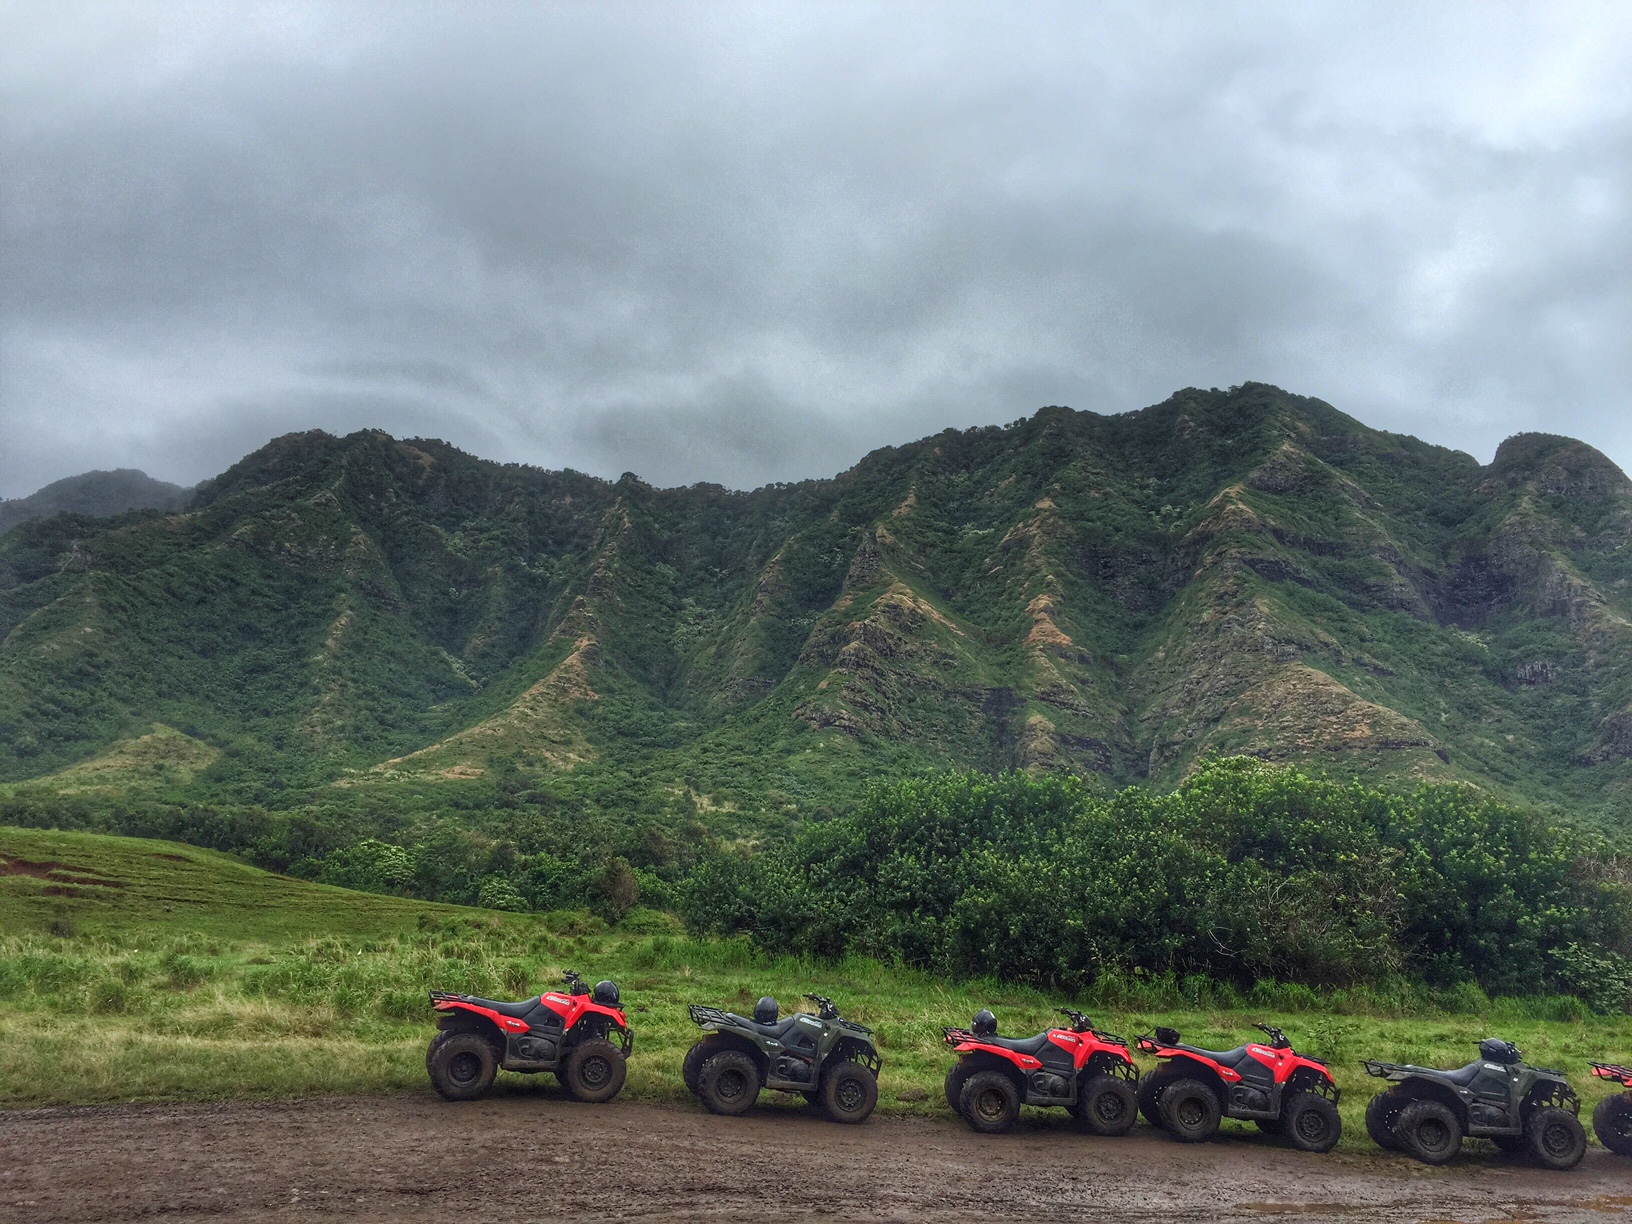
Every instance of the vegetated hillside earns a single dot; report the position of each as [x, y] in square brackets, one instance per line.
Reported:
[361, 620]
[95, 494]
[145, 970]
[87, 884]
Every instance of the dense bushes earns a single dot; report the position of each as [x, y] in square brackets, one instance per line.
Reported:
[1245, 872]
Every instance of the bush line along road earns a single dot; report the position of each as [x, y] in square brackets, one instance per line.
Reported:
[243, 984]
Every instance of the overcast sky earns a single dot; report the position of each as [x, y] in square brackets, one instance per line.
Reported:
[750, 243]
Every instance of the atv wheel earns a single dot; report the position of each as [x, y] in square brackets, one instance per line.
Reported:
[990, 1102]
[1149, 1092]
[1310, 1122]
[699, 1053]
[728, 1083]
[1557, 1138]
[1612, 1121]
[594, 1071]
[1429, 1131]
[1382, 1112]
[1190, 1111]
[462, 1065]
[1108, 1105]
[955, 1079]
[849, 1091]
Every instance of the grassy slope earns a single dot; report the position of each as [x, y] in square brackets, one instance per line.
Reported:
[202, 978]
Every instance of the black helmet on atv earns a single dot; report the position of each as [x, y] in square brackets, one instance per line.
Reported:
[984, 1023]
[1494, 1049]
[765, 1011]
[606, 993]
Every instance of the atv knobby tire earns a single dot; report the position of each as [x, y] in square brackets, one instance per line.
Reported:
[1149, 1093]
[955, 1079]
[990, 1102]
[461, 1065]
[1190, 1111]
[849, 1092]
[1612, 1122]
[1557, 1138]
[691, 1066]
[1429, 1131]
[1310, 1122]
[594, 1071]
[1107, 1105]
[728, 1083]
[1382, 1112]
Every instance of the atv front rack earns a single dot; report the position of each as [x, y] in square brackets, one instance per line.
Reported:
[1613, 1071]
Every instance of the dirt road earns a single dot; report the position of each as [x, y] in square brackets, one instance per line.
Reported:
[535, 1156]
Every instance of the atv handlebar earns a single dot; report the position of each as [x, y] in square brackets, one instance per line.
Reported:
[825, 1008]
[1079, 1022]
[1276, 1037]
[575, 982]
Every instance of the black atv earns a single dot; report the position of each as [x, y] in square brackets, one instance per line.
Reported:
[1425, 1113]
[828, 1060]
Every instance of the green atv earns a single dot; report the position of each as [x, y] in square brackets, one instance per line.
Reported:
[1426, 1113]
[827, 1060]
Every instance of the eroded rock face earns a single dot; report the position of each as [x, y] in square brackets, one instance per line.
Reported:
[1226, 571]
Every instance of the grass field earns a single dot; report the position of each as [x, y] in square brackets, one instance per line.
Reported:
[145, 970]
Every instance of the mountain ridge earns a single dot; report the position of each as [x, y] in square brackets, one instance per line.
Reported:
[97, 493]
[1241, 570]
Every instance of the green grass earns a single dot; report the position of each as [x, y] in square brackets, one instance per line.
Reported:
[123, 888]
[201, 979]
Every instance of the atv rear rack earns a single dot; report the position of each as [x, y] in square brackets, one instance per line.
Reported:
[1382, 1070]
[1612, 1071]
[954, 1036]
[709, 1017]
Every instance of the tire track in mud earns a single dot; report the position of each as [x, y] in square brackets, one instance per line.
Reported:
[529, 1153]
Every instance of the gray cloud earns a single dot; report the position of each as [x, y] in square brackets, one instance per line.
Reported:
[749, 243]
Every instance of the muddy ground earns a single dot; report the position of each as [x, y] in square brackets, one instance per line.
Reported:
[534, 1156]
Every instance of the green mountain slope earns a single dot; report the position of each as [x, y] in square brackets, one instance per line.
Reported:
[1245, 571]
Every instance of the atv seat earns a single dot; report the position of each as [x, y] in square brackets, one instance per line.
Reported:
[1224, 1058]
[777, 1031]
[1020, 1045]
[517, 1010]
[1461, 1077]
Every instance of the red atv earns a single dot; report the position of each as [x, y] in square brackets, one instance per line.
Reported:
[1612, 1120]
[579, 1034]
[1283, 1091]
[1086, 1071]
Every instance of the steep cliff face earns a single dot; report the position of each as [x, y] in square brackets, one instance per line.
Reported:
[1241, 571]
